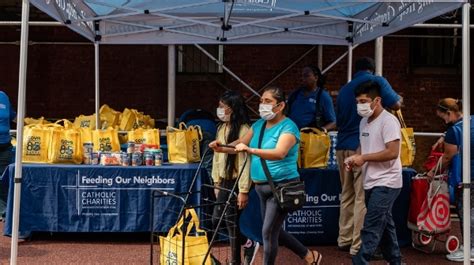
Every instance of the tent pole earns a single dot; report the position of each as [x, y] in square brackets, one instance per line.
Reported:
[171, 84]
[325, 70]
[97, 87]
[320, 57]
[466, 69]
[379, 56]
[227, 69]
[25, 12]
[349, 62]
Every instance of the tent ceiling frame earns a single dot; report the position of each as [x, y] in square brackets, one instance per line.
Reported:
[135, 11]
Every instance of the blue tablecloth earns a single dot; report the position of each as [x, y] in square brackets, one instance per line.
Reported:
[318, 222]
[83, 198]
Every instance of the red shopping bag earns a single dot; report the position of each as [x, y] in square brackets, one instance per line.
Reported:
[434, 216]
[419, 189]
[432, 160]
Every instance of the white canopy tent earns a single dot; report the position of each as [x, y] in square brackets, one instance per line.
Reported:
[172, 22]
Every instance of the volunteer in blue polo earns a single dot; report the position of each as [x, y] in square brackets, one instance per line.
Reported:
[352, 210]
[7, 115]
[310, 105]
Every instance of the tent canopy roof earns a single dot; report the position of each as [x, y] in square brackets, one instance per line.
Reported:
[335, 22]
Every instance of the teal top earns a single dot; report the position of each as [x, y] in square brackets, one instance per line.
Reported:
[279, 169]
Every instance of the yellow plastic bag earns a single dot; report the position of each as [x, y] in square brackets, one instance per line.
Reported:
[183, 143]
[36, 141]
[408, 145]
[31, 121]
[106, 140]
[65, 146]
[83, 121]
[145, 136]
[314, 148]
[195, 248]
[86, 135]
[108, 116]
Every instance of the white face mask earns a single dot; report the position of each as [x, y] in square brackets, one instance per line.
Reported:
[364, 110]
[221, 115]
[266, 111]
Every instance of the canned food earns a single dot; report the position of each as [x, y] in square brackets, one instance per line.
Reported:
[87, 147]
[137, 159]
[149, 159]
[125, 160]
[86, 158]
[130, 147]
[94, 158]
[158, 158]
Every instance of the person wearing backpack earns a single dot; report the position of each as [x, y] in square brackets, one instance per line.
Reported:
[310, 105]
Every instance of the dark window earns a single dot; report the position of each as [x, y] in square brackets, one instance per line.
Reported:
[435, 52]
[192, 60]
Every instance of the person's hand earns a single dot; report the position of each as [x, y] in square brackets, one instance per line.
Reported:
[242, 200]
[439, 144]
[430, 175]
[358, 160]
[214, 145]
[241, 148]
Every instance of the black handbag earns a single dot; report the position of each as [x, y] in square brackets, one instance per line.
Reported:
[289, 195]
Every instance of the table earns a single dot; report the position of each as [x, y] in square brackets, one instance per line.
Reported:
[318, 222]
[88, 198]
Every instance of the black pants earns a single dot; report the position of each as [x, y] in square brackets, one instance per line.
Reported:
[230, 219]
[5, 160]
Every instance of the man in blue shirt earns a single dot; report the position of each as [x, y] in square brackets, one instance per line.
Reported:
[311, 105]
[352, 210]
[7, 115]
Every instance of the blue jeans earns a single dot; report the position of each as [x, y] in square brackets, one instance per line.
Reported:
[379, 227]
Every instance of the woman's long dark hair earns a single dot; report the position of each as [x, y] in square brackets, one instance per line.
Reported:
[238, 117]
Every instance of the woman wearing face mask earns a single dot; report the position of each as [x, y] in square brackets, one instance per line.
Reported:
[226, 168]
[450, 110]
[280, 150]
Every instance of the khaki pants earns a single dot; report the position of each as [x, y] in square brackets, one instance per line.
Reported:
[353, 209]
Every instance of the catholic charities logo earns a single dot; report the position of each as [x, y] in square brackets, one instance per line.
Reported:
[100, 195]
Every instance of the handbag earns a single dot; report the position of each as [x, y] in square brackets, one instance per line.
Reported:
[289, 195]
[183, 143]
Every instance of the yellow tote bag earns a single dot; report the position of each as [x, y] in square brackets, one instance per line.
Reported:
[145, 136]
[36, 141]
[108, 116]
[195, 247]
[83, 121]
[106, 140]
[65, 146]
[31, 121]
[183, 143]
[408, 145]
[86, 135]
[314, 148]
[127, 119]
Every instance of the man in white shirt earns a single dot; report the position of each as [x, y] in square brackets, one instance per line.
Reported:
[379, 157]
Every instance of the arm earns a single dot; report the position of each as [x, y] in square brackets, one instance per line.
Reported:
[328, 111]
[391, 151]
[450, 150]
[390, 99]
[214, 145]
[285, 142]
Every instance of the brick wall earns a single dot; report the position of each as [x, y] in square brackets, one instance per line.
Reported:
[61, 77]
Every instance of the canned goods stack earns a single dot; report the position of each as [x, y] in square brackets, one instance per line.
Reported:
[87, 153]
[158, 158]
[137, 159]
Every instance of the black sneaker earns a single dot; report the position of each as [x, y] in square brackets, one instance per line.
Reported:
[250, 251]
[345, 248]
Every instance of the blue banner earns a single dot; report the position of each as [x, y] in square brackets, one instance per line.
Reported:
[66, 198]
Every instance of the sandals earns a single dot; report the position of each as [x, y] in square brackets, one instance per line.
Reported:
[316, 261]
